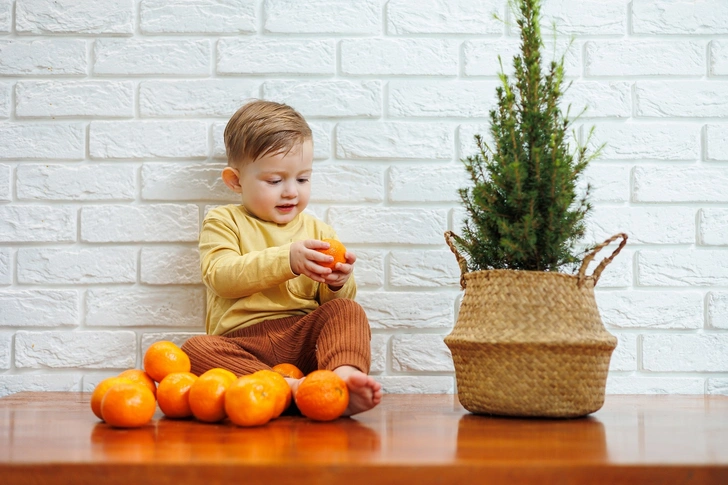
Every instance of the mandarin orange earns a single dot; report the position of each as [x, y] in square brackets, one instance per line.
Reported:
[322, 396]
[251, 400]
[164, 357]
[128, 405]
[337, 250]
[207, 395]
[223, 372]
[280, 388]
[100, 391]
[288, 370]
[140, 377]
[173, 394]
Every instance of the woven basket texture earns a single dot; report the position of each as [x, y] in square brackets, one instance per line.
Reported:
[531, 343]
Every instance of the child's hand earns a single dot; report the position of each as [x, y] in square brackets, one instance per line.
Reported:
[307, 261]
[341, 273]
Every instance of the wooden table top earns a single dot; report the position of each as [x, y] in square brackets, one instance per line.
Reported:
[53, 437]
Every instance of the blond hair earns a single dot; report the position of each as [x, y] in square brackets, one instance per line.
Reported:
[262, 127]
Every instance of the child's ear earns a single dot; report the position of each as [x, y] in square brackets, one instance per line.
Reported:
[231, 177]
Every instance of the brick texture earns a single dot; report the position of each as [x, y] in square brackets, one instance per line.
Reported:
[112, 115]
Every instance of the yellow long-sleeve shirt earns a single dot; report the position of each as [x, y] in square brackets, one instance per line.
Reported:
[246, 267]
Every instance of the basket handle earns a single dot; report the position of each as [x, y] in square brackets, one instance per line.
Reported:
[449, 237]
[605, 261]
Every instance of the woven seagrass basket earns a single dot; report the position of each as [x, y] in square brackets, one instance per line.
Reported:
[531, 343]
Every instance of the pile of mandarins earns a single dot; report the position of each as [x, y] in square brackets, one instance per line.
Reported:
[130, 399]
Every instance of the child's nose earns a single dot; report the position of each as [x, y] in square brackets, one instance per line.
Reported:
[290, 190]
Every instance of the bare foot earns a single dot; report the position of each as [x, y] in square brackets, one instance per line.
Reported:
[364, 391]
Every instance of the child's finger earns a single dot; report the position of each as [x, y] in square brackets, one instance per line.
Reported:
[315, 244]
[315, 276]
[319, 258]
[332, 278]
[317, 268]
[336, 279]
[343, 268]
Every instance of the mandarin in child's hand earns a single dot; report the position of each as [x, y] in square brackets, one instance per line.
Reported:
[322, 396]
[128, 405]
[337, 250]
[164, 357]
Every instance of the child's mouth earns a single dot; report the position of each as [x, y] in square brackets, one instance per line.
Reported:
[285, 208]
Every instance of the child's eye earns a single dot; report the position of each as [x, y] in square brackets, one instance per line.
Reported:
[302, 180]
[273, 182]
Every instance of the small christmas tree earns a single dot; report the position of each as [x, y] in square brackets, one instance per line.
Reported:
[523, 212]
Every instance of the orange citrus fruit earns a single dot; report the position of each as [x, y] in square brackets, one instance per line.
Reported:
[251, 401]
[223, 372]
[280, 388]
[140, 377]
[164, 357]
[100, 392]
[336, 249]
[322, 396]
[173, 394]
[128, 405]
[207, 395]
[288, 370]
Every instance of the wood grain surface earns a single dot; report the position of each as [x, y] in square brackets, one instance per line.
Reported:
[52, 437]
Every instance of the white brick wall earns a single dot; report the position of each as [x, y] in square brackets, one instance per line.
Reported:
[189, 16]
[111, 121]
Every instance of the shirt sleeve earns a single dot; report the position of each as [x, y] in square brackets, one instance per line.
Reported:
[230, 274]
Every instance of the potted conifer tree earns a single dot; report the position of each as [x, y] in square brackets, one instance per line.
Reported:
[528, 340]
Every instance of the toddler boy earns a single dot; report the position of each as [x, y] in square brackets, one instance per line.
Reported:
[269, 299]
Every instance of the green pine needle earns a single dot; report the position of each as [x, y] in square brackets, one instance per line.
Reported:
[522, 208]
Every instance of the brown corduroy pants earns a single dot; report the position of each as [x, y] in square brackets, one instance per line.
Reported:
[336, 333]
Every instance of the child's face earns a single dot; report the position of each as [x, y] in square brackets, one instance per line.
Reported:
[276, 188]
